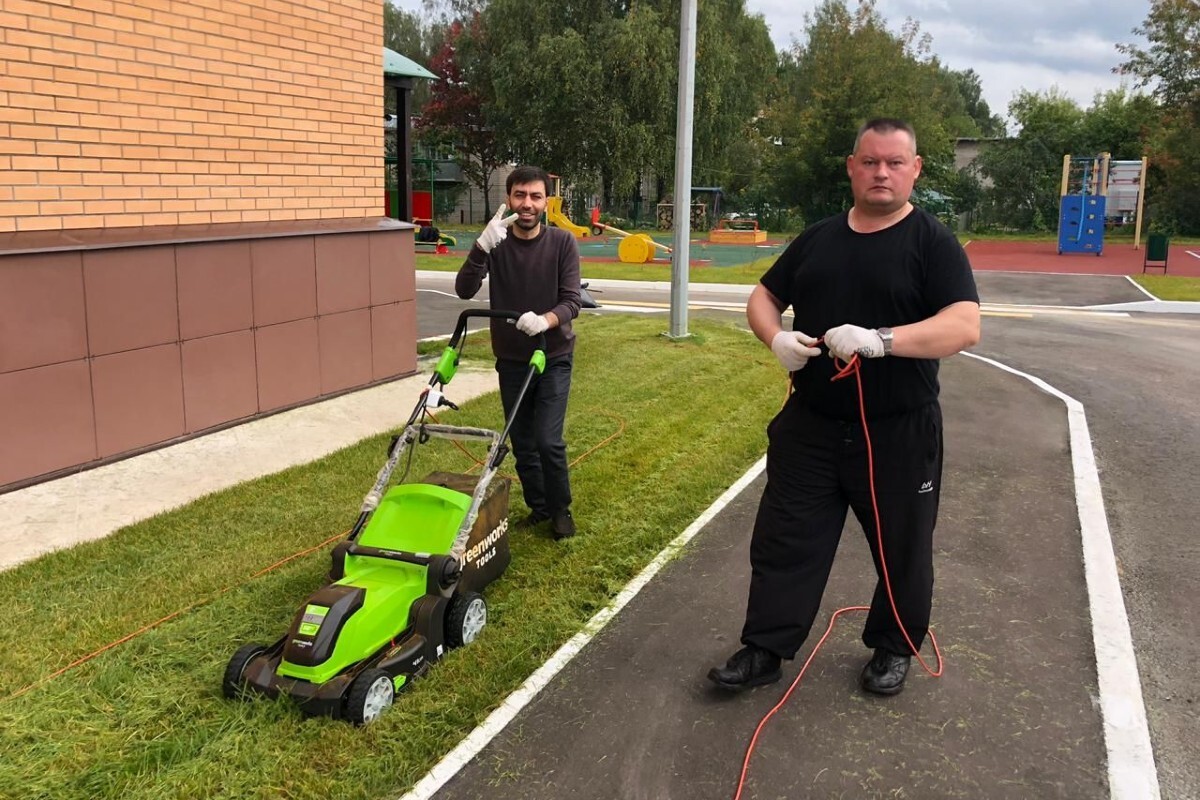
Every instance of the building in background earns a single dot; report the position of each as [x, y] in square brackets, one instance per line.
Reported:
[192, 228]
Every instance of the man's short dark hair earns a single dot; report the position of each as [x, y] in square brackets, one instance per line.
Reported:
[886, 125]
[527, 174]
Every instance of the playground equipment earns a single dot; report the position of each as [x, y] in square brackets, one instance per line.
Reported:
[1126, 193]
[634, 248]
[555, 215]
[1082, 204]
[737, 231]
[1096, 190]
[421, 203]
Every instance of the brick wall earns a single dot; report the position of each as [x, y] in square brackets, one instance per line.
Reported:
[157, 112]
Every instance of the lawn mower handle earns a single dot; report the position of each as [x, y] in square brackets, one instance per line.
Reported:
[460, 329]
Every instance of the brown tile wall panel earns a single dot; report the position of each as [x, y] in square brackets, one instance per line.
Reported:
[214, 288]
[285, 279]
[343, 272]
[392, 274]
[45, 420]
[393, 340]
[230, 326]
[42, 319]
[345, 350]
[131, 298]
[289, 368]
[220, 382]
[138, 398]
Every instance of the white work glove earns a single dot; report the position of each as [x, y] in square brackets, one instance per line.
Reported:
[532, 324]
[845, 341]
[496, 230]
[794, 349]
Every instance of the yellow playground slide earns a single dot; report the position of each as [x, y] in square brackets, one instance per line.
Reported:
[556, 217]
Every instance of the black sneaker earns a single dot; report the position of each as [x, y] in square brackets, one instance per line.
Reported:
[532, 520]
[885, 672]
[749, 667]
[563, 524]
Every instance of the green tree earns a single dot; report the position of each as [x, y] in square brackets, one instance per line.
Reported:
[852, 68]
[588, 88]
[1172, 60]
[1171, 63]
[413, 37]
[1026, 170]
[970, 86]
[1119, 123]
[735, 64]
[455, 114]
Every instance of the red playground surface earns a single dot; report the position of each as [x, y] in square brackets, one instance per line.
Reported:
[1117, 259]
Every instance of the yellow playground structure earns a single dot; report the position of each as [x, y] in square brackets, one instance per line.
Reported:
[555, 215]
[634, 248]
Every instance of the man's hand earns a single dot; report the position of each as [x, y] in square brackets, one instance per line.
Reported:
[794, 349]
[496, 230]
[845, 341]
[532, 324]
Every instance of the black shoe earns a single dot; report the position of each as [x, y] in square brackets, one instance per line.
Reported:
[751, 666]
[563, 524]
[532, 520]
[885, 672]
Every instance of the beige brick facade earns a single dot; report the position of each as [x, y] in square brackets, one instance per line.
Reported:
[157, 112]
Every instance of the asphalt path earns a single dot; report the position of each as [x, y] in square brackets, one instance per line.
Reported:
[1017, 713]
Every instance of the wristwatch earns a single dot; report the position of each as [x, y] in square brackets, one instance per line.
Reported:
[885, 334]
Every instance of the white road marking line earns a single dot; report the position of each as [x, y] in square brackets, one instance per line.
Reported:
[468, 748]
[1140, 288]
[1131, 772]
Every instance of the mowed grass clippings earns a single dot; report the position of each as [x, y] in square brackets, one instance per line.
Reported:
[146, 719]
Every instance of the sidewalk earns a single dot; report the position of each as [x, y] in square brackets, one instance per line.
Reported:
[94, 503]
[1014, 716]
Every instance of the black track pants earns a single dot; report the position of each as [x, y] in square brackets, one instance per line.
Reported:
[816, 469]
[537, 431]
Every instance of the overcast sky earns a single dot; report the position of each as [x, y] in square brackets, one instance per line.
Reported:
[1011, 44]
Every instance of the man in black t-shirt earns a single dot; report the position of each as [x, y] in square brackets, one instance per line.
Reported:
[888, 282]
[537, 272]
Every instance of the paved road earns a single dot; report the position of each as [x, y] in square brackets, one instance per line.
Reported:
[1015, 715]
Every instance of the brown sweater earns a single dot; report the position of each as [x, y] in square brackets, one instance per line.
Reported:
[539, 275]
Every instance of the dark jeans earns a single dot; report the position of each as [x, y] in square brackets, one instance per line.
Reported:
[816, 469]
[537, 431]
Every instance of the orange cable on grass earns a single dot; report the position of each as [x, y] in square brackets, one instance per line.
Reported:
[152, 625]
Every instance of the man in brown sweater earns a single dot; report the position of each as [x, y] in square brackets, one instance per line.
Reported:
[536, 272]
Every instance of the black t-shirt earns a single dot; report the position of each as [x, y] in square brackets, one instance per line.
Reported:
[832, 276]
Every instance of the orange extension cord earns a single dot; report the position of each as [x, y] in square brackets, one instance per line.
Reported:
[152, 625]
[163, 620]
[852, 368]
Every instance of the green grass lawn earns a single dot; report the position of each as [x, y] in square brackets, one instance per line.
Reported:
[147, 719]
[1165, 287]
[1170, 287]
[748, 273]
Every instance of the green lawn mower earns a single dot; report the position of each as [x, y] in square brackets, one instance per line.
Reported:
[406, 583]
